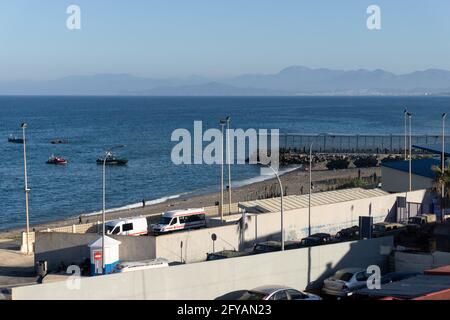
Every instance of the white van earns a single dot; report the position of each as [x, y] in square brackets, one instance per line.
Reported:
[140, 265]
[127, 227]
[180, 220]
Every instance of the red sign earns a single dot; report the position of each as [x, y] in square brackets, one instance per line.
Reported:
[97, 255]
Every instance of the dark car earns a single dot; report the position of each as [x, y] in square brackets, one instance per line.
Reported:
[225, 254]
[383, 229]
[317, 239]
[272, 246]
[348, 234]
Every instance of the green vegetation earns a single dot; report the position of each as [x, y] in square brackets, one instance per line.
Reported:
[355, 183]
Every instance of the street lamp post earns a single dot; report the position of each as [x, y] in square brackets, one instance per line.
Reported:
[108, 153]
[310, 189]
[444, 115]
[281, 203]
[405, 113]
[222, 126]
[24, 126]
[228, 120]
[410, 152]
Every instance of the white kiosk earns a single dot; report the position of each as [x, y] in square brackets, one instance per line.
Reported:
[111, 255]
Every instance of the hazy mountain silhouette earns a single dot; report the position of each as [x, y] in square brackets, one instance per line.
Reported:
[294, 80]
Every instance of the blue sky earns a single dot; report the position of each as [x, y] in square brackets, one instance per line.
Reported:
[218, 37]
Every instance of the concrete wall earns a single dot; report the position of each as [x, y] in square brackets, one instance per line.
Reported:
[197, 243]
[208, 280]
[57, 247]
[398, 181]
[418, 262]
[72, 248]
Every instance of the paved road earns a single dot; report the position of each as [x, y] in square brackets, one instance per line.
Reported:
[15, 268]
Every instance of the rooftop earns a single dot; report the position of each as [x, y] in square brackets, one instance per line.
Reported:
[434, 148]
[410, 288]
[420, 167]
[317, 199]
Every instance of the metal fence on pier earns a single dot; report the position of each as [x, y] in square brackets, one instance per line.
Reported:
[359, 143]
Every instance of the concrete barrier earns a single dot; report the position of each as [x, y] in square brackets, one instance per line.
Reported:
[208, 280]
[71, 248]
[418, 262]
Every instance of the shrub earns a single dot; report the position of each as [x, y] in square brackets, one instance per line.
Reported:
[365, 162]
[338, 164]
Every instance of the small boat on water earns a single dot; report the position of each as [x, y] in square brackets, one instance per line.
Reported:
[14, 139]
[56, 160]
[60, 141]
[112, 160]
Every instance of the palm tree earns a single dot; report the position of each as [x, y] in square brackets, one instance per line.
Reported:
[442, 182]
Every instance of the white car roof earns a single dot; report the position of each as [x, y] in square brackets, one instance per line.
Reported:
[124, 220]
[176, 213]
[144, 263]
[270, 289]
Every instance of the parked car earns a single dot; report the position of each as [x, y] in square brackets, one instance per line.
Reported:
[177, 220]
[127, 227]
[277, 293]
[317, 239]
[225, 254]
[272, 246]
[140, 265]
[421, 219]
[345, 281]
[383, 229]
[348, 234]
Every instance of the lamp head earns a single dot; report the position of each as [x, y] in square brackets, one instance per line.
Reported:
[23, 125]
[444, 115]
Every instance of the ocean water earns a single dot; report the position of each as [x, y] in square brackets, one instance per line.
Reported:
[144, 125]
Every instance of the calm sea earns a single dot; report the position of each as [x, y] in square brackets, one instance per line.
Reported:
[144, 125]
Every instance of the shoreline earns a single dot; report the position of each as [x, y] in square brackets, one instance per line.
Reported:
[294, 181]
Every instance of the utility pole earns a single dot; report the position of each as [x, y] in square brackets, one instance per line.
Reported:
[107, 154]
[222, 125]
[24, 126]
[281, 203]
[228, 119]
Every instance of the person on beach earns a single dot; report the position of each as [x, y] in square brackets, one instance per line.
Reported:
[143, 203]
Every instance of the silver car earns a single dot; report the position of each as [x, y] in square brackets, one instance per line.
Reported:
[345, 281]
[277, 293]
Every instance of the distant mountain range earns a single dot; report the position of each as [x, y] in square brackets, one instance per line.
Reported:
[291, 81]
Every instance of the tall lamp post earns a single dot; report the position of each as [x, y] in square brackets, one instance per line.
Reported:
[24, 126]
[281, 203]
[444, 115]
[228, 120]
[222, 123]
[108, 153]
[405, 116]
[410, 152]
[310, 189]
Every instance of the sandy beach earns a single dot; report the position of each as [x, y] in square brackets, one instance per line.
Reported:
[294, 182]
